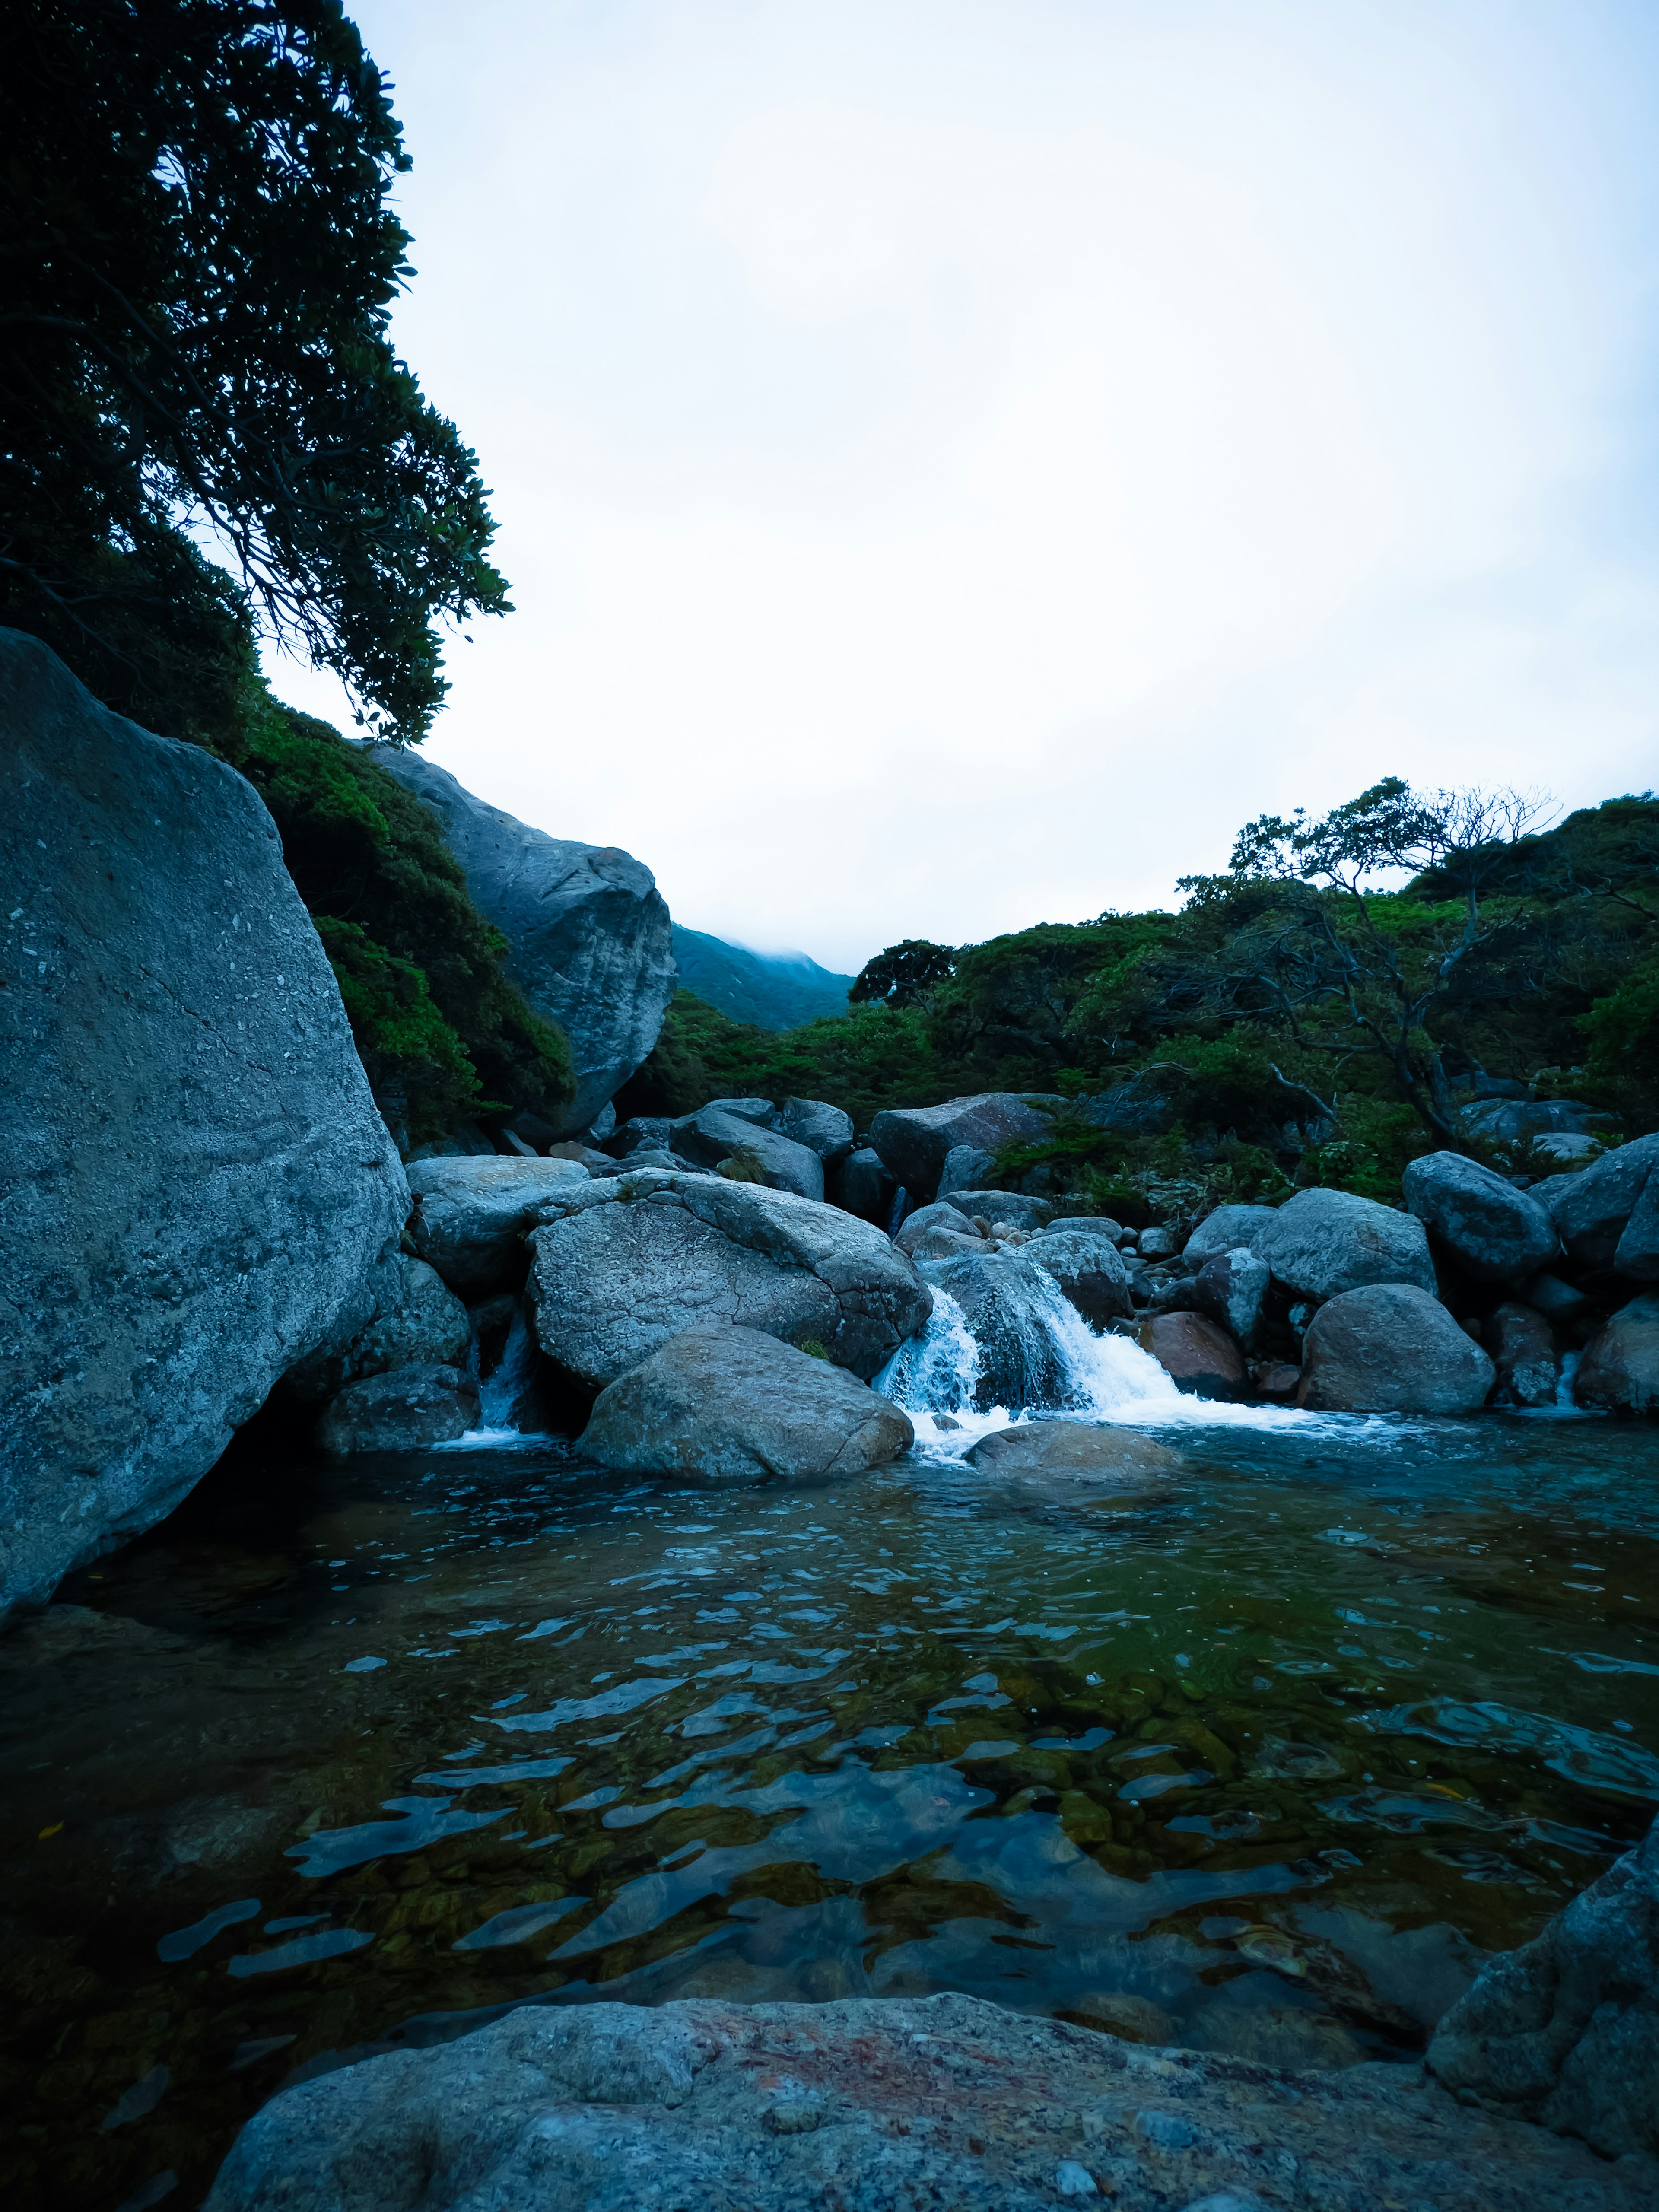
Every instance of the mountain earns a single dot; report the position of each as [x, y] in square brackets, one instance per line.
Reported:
[774, 990]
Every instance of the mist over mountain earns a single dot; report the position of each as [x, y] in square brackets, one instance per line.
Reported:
[773, 990]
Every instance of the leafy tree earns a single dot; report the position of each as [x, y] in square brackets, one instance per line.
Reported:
[903, 974]
[201, 260]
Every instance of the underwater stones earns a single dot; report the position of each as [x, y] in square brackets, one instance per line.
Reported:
[470, 1216]
[937, 2101]
[1594, 1210]
[1565, 2031]
[1088, 1269]
[1523, 1347]
[1197, 1355]
[748, 1151]
[1074, 1448]
[1390, 1348]
[415, 1323]
[621, 1267]
[724, 1407]
[1229, 1288]
[1619, 1370]
[1323, 1242]
[1226, 1229]
[914, 1142]
[400, 1411]
[1495, 1233]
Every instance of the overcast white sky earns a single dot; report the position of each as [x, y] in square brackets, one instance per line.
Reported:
[957, 459]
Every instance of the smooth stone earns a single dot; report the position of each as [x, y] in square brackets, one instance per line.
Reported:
[940, 1215]
[1198, 1356]
[1390, 1348]
[724, 1142]
[1227, 1227]
[417, 1321]
[863, 1184]
[402, 1410]
[1323, 1242]
[1089, 1269]
[1592, 1209]
[1619, 1370]
[966, 1168]
[1495, 1233]
[470, 1217]
[914, 1142]
[824, 1129]
[1074, 1448]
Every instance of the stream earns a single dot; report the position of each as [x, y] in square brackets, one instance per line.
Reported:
[348, 1757]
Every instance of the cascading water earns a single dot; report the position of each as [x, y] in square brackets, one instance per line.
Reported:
[507, 1405]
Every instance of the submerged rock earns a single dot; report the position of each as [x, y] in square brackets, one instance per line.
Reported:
[1390, 1348]
[470, 1217]
[1196, 1354]
[196, 1183]
[1495, 1233]
[1323, 1243]
[1074, 1448]
[877, 2105]
[1620, 1367]
[723, 1407]
[400, 1411]
[914, 1142]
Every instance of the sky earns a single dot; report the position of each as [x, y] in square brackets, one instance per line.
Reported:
[956, 460]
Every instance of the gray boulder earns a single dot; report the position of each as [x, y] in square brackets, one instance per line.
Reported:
[1512, 1118]
[1075, 1447]
[621, 1267]
[915, 1141]
[196, 1183]
[713, 1137]
[1011, 1206]
[1229, 1288]
[402, 1411]
[1390, 1348]
[588, 934]
[1565, 2031]
[1089, 1270]
[1226, 1229]
[1495, 1233]
[822, 1129]
[1323, 1242]
[1564, 1303]
[639, 1132]
[760, 1111]
[889, 2105]
[470, 1216]
[1523, 1346]
[1619, 1370]
[940, 1215]
[1593, 1209]
[966, 1168]
[863, 1184]
[415, 1322]
[724, 1408]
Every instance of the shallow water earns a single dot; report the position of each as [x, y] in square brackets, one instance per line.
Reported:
[343, 1757]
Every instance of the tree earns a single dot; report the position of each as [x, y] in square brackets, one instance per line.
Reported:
[903, 974]
[201, 260]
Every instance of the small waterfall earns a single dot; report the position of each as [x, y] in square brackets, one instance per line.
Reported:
[506, 1400]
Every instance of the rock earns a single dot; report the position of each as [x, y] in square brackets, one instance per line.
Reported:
[1226, 1229]
[863, 1185]
[1565, 2031]
[621, 1267]
[966, 1168]
[588, 932]
[1620, 1367]
[1158, 1243]
[823, 1129]
[197, 1184]
[1592, 1210]
[415, 1322]
[1390, 1348]
[723, 1407]
[1197, 1355]
[466, 1141]
[941, 1243]
[1509, 1119]
[590, 1161]
[1011, 1206]
[1523, 1346]
[1075, 1447]
[1562, 1303]
[914, 1142]
[470, 1216]
[1004, 1297]
[400, 1411]
[515, 1144]
[1323, 1243]
[940, 1215]
[1228, 1289]
[760, 1111]
[1088, 1269]
[715, 1137]
[633, 1135]
[1495, 1233]
[877, 2105]
[1275, 1378]
[652, 1156]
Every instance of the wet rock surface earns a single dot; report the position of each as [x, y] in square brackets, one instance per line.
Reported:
[1620, 1367]
[417, 1321]
[1390, 1348]
[400, 1411]
[1075, 1447]
[1196, 1354]
[1087, 1268]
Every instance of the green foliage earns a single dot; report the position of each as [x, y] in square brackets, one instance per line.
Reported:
[414, 1060]
[903, 974]
[201, 261]
[1622, 1069]
[1373, 1143]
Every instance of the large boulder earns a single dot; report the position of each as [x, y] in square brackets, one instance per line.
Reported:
[1620, 1367]
[1523, 1346]
[1120, 1456]
[1390, 1348]
[1495, 1233]
[723, 1407]
[824, 1129]
[914, 1142]
[881, 2105]
[863, 1184]
[918, 1226]
[1230, 1288]
[415, 1322]
[1510, 1119]
[748, 1151]
[1323, 1243]
[403, 1411]
[1565, 2031]
[966, 1168]
[621, 1267]
[589, 940]
[1007, 1301]
[1226, 1229]
[1197, 1355]
[1089, 1270]
[470, 1216]
[196, 1183]
[1593, 1209]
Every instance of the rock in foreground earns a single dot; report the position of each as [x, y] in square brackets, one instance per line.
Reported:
[1390, 1348]
[1121, 1457]
[196, 1183]
[723, 1407]
[945, 2102]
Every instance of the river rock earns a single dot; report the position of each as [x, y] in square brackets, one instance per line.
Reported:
[1593, 1209]
[1495, 1233]
[940, 1215]
[1620, 1367]
[415, 1322]
[1074, 1448]
[588, 932]
[1390, 1348]
[1523, 1347]
[1008, 1303]
[915, 1141]
[713, 1137]
[1565, 2031]
[966, 1168]
[470, 1216]
[1323, 1242]
[863, 1184]
[196, 1183]
[724, 1407]
[760, 1111]
[402, 1411]
[1228, 1289]
[822, 1129]
[1198, 1356]
[943, 2104]
[621, 1267]
[636, 1133]
[1089, 1270]
[1226, 1229]
[1011, 1206]
[1562, 1303]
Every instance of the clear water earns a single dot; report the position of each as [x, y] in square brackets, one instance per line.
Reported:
[343, 1758]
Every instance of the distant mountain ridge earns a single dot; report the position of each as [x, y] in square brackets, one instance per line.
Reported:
[773, 990]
